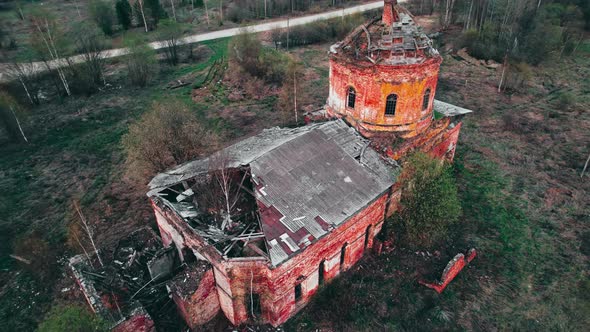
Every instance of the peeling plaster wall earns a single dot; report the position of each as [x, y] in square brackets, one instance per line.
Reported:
[373, 83]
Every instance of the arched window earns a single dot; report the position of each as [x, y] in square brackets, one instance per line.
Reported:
[426, 101]
[390, 104]
[351, 98]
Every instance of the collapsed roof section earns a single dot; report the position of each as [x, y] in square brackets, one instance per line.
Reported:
[394, 39]
[306, 182]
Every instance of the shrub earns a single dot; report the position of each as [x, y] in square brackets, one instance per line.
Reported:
[88, 76]
[167, 135]
[429, 203]
[72, 318]
[565, 100]
[169, 33]
[246, 51]
[141, 62]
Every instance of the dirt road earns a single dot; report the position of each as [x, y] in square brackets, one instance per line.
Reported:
[282, 23]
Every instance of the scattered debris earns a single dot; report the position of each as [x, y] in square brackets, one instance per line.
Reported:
[123, 291]
[453, 268]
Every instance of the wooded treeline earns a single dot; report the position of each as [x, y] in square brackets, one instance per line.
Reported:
[239, 11]
[517, 31]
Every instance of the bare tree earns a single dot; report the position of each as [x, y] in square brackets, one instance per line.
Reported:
[173, 10]
[28, 77]
[9, 119]
[225, 176]
[170, 33]
[142, 11]
[206, 13]
[449, 5]
[585, 166]
[90, 42]
[45, 35]
[86, 227]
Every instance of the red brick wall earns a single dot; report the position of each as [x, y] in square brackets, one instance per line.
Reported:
[200, 307]
[373, 83]
[446, 148]
[136, 323]
[276, 287]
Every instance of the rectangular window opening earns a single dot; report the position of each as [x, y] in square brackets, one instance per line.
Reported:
[298, 292]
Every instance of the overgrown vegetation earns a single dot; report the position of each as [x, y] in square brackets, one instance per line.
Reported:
[141, 63]
[166, 136]
[72, 318]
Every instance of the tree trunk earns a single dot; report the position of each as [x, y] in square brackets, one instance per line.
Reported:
[173, 10]
[18, 124]
[88, 231]
[295, 94]
[206, 12]
[585, 166]
[143, 15]
[503, 73]
[467, 23]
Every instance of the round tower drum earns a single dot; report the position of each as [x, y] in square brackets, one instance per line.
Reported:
[383, 76]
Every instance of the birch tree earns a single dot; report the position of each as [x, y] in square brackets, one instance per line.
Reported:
[142, 11]
[47, 39]
[449, 6]
[25, 73]
[10, 113]
[88, 231]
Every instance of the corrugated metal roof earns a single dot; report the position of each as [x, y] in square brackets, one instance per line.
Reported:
[318, 174]
[309, 180]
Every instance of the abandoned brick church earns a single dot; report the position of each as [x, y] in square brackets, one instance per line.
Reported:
[264, 223]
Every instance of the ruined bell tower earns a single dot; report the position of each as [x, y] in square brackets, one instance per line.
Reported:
[383, 76]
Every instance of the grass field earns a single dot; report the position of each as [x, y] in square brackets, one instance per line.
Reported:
[518, 165]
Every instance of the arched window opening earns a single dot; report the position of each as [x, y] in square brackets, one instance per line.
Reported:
[426, 101]
[343, 255]
[351, 97]
[390, 105]
[367, 236]
[321, 272]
